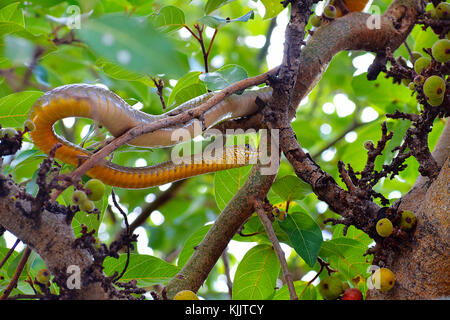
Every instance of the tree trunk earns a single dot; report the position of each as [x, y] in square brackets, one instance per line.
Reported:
[422, 266]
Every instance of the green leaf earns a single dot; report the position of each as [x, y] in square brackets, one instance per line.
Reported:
[12, 14]
[144, 50]
[273, 8]
[190, 244]
[13, 256]
[223, 77]
[291, 188]
[190, 92]
[118, 72]
[352, 233]
[424, 40]
[256, 274]
[248, 16]
[185, 81]
[212, 22]
[212, 5]
[147, 270]
[380, 92]
[8, 27]
[309, 294]
[305, 235]
[14, 108]
[169, 19]
[22, 156]
[347, 256]
[227, 183]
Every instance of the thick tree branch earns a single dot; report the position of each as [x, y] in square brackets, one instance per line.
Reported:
[237, 211]
[52, 238]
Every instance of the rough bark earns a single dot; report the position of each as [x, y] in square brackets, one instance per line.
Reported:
[422, 266]
[52, 238]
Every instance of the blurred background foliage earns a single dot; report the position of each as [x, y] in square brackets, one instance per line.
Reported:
[123, 44]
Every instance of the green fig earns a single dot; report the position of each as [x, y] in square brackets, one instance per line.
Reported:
[383, 279]
[315, 21]
[29, 125]
[43, 276]
[97, 189]
[443, 11]
[434, 87]
[330, 11]
[408, 220]
[87, 205]
[384, 227]
[78, 196]
[330, 288]
[441, 50]
[185, 295]
[421, 64]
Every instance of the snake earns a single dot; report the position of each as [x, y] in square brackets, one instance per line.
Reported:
[109, 110]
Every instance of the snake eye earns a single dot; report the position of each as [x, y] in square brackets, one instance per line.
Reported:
[247, 146]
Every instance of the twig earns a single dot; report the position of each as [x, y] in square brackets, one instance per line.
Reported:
[262, 214]
[211, 42]
[346, 178]
[192, 32]
[127, 228]
[202, 45]
[159, 84]
[13, 283]
[323, 265]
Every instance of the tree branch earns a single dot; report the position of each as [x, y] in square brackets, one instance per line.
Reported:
[237, 212]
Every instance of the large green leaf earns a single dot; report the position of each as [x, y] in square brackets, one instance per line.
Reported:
[190, 244]
[118, 72]
[147, 270]
[227, 183]
[223, 77]
[14, 108]
[305, 235]
[144, 50]
[12, 13]
[186, 81]
[256, 274]
[169, 19]
[189, 92]
[291, 188]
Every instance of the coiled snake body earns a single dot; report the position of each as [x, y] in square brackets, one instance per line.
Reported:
[112, 112]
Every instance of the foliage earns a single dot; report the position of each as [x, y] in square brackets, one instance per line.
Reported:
[123, 44]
